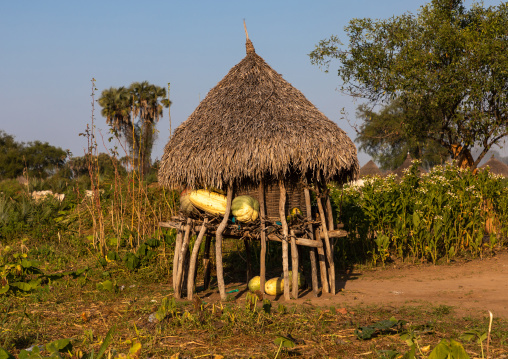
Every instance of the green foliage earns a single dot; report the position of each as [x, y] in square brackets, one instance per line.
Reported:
[383, 136]
[121, 106]
[446, 66]
[40, 159]
[387, 326]
[167, 307]
[108, 166]
[18, 273]
[439, 215]
[448, 349]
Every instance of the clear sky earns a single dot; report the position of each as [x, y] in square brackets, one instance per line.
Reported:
[50, 51]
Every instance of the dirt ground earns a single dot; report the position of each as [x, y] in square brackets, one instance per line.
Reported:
[471, 287]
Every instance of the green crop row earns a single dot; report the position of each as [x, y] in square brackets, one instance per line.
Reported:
[423, 217]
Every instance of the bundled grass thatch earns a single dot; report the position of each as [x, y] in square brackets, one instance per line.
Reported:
[496, 167]
[252, 125]
[370, 169]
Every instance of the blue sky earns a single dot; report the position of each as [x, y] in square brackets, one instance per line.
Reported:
[50, 51]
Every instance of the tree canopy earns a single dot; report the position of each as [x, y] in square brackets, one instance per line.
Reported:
[132, 113]
[446, 66]
[382, 137]
[38, 159]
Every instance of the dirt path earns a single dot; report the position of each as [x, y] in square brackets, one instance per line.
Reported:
[472, 287]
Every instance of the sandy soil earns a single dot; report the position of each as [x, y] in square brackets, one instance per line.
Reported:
[470, 287]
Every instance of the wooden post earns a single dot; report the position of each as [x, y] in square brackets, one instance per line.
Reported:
[312, 251]
[218, 245]
[183, 254]
[322, 262]
[329, 212]
[247, 254]
[285, 232]
[331, 222]
[262, 216]
[294, 265]
[176, 257]
[193, 260]
[206, 263]
[329, 254]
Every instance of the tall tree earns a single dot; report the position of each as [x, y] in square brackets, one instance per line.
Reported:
[448, 63]
[382, 135]
[132, 113]
[147, 105]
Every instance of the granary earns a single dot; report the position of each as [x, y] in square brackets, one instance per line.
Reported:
[399, 172]
[370, 169]
[254, 133]
[496, 167]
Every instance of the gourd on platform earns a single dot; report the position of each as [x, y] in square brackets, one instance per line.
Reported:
[186, 206]
[208, 201]
[245, 208]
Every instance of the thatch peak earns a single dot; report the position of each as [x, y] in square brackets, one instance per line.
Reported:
[370, 169]
[249, 46]
[496, 166]
[254, 125]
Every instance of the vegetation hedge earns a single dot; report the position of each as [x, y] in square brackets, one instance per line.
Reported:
[429, 217]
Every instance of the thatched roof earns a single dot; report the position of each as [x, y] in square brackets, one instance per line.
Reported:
[253, 124]
[496, 166]
[370, 169]
[405, 165]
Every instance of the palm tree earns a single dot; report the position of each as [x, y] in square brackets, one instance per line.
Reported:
[143, 101]
[116, 108]
[147, 104]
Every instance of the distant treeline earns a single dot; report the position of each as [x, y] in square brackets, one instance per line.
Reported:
[41, 160]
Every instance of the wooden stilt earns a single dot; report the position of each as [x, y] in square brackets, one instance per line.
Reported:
[193, 260]
[285, 232]
[181, 262]
[312, 251]
[331, 221]
[206, 263]
[322, 263]
[294, 265]
[176, 257]
[262, 255]
[248, 273]
[329, 254]
[218, 245]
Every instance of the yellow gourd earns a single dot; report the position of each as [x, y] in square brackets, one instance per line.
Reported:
[210, 202]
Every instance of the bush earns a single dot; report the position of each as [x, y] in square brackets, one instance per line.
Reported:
[441, 214]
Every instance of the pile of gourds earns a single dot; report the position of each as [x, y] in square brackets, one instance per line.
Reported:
[245, 209]
[275, 286]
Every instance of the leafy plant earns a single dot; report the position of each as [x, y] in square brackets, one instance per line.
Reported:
[448, 349]
[387, 326]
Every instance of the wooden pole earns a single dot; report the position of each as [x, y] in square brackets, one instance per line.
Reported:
[176, 257]
[183, 254]
[206, 263]
[312, 251]
[331, 222]
[248, 273]
[285, 232]
[294, 265]
[262, 216]
[329, 254]
[193, 260]
[322, 262]
[218, 245]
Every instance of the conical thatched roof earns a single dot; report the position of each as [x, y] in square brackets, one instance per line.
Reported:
[370, 169]
[496, 166]
[405, 165]
[253, 124]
